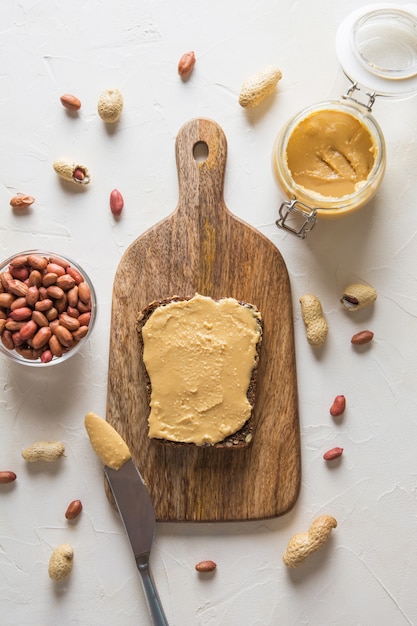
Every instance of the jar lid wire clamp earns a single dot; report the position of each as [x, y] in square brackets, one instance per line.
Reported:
[300, 211]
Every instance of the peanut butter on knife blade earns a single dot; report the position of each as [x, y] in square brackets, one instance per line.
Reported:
[109, 446]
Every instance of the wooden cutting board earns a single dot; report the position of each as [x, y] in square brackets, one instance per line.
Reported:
[201, 247]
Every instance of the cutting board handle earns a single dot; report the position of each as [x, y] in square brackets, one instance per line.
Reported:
[201, 179]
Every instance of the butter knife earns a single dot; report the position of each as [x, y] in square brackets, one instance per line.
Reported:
[133, 502]
[138, 516]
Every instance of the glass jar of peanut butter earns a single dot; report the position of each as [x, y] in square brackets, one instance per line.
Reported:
[330, 158]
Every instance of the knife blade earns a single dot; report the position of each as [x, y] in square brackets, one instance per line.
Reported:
[138, 515]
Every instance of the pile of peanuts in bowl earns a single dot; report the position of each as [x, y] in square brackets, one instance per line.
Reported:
[47, 307]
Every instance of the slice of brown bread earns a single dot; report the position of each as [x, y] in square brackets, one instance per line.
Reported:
[241, 438]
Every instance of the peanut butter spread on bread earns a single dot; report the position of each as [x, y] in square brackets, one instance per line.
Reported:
[199, 354]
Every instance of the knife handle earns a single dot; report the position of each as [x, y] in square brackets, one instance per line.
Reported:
[152, 598]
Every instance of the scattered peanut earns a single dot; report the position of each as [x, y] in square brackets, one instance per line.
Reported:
[314, 320]
[45, 300]
[338, 406]
[305, 543]
[74, 509]
[48, 451]
[206, 566]
[21, 201]
[106, 441]
[257, 87]
[334, 453]
[61, 562]
[186, 64]
[7, 477]
[116, 202]
[70, 102]
[357, 296]
[110, 105]
[364, 336]
[72, 172]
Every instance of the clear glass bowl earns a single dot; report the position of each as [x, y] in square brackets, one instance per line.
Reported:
[330, 207]
[30, 292]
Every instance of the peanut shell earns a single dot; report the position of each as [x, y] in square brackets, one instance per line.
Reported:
[357, 296]
[301, 545]
[61, 562]
[315, 323]
[258, 86]
[110, 105]
[68, 171]
[48, 451]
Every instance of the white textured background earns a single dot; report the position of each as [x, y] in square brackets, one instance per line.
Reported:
[367, 574]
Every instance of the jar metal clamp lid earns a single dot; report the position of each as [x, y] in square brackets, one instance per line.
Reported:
[377, 49]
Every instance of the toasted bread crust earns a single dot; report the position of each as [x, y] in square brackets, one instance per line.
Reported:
[243, 437]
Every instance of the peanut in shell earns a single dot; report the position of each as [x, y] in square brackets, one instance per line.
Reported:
[61, 562]
[303, 544]
[258, 86]
[315, 323]
[357, 296]
[110, 105]
[72, 171]
[48, 451]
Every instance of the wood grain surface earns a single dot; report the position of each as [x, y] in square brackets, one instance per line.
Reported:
[201, 247]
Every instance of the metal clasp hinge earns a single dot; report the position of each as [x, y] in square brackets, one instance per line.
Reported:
[299, 210]
[349, 96]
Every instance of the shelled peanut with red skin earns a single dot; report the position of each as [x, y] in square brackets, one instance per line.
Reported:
[338, 407]
[70, 102]
[364, 336]
[74, 509]
[116, 202]
[186, 64]
[21, 201]
[333, 453]
[6, 477]
[206, 566]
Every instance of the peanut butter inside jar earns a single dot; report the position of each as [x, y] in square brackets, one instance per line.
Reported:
[330, 153]
[331, 157]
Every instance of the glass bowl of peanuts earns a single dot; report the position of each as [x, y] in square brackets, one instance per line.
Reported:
[47, 308]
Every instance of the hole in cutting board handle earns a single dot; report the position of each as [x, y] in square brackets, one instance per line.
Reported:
[200, 151]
